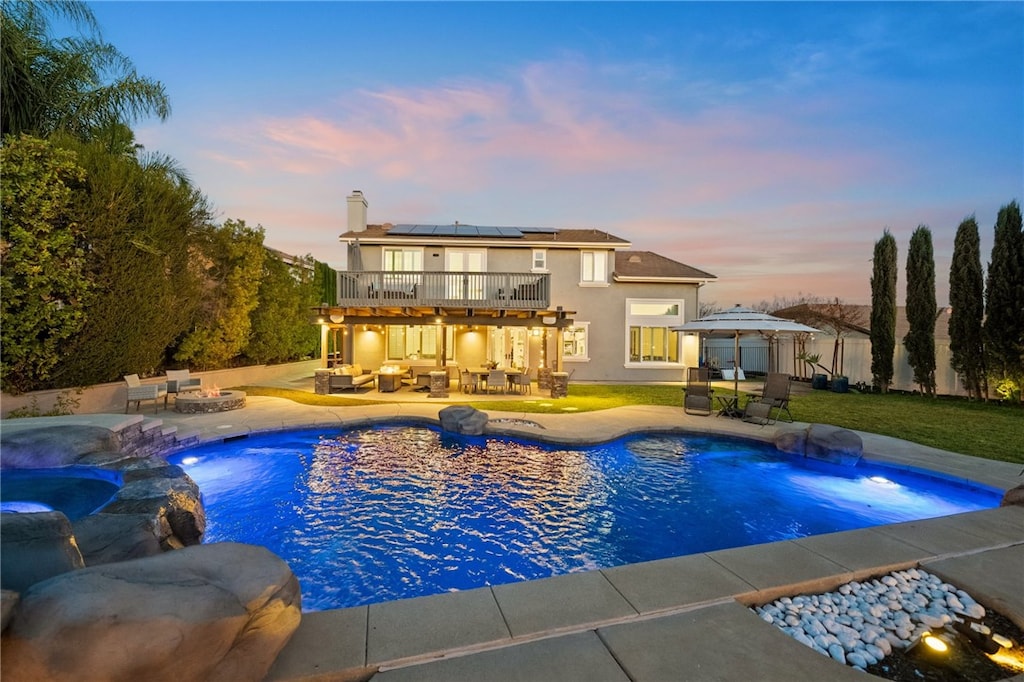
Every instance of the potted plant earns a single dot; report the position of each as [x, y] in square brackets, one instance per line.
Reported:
[818, 380]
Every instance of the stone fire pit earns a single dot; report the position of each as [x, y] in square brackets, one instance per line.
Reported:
[199, 403]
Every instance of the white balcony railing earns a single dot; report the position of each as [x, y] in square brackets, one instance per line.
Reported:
[508, 290]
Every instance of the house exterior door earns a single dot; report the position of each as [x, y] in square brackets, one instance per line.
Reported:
[466, 261]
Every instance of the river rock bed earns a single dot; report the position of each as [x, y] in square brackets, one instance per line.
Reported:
[863, 622]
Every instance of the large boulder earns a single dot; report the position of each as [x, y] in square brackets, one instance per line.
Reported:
[35, 547]
[1013, 496]
[220, 612]
[833, 444]
[821, 441]
[56, 446]
[106, 538]
[167, 495]
[463, 419]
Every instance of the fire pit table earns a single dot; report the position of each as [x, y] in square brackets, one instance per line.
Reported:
[200, 402]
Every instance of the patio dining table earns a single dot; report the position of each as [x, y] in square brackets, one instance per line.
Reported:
[481, 373]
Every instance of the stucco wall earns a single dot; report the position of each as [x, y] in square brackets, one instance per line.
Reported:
[111, 397]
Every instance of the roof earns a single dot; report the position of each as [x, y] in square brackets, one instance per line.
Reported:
[811, 313]
[446, 233]
[648, 266]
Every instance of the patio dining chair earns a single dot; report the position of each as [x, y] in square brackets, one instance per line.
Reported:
[469, 382]
[521, 382]
[496, 380]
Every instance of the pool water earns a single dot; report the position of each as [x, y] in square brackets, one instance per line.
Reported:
[388, 512]
[75, 491]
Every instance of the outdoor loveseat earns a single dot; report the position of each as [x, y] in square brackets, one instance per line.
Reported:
[349, 377]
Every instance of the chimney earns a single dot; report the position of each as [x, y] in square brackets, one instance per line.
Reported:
[356, 212]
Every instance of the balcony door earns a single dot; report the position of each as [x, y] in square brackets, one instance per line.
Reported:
[469, 262]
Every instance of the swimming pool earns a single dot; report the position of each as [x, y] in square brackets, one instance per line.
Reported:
[387, 512]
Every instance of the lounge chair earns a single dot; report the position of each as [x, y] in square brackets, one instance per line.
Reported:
[698, 391]
[179, 381]
[137, 392]
[774, 396]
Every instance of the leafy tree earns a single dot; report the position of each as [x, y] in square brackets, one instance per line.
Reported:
[1004, 304]
[78, 85]
[233, 257]
[883, 311]
[966, 297]
[43, 285]
[281, 328]
[922, 309]
[326, 280]
[140, 216]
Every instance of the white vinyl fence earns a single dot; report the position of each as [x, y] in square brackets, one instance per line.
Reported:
[856, 353]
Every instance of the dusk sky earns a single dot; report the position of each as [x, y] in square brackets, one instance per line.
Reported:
[768, 143]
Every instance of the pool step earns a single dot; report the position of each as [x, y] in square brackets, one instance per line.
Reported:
[150, 436]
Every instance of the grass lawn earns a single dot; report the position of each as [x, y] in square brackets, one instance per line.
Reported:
[989, 430]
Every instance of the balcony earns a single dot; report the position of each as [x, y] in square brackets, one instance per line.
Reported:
[470, 290]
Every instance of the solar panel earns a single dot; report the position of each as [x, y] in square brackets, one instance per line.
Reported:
[460, 230]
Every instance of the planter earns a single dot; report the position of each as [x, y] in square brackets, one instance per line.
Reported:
[840, 385]
[819, 382]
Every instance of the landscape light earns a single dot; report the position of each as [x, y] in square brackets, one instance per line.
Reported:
[936, 644]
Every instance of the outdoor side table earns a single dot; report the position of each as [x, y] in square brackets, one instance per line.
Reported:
[729, 405]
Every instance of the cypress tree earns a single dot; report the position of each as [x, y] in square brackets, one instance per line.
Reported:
[966, 297]
[921, 309]
[883, 311]
[1004, 303]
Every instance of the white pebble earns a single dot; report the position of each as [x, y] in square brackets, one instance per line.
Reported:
[804, 639]
[856, 660]
[884, 644]
[875, 651]
[975, 610]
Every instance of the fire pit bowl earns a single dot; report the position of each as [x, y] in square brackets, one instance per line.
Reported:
[197, 402]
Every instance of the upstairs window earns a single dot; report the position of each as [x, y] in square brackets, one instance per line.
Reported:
[540, 260]
[593, 267]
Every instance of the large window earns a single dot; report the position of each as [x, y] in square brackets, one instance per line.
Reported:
[651, 340]
[418, 342]
[593, 267]
[574, 342]
[402, 260]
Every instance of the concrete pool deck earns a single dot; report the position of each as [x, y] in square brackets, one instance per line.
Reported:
[677, 618]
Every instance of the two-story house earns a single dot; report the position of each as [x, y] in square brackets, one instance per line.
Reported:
[573, 300]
